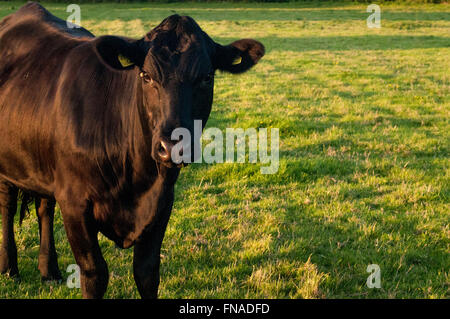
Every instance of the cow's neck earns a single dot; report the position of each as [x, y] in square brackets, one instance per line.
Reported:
[155, 205]
[153, 183]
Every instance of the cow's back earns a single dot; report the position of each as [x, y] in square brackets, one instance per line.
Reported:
[36, 10]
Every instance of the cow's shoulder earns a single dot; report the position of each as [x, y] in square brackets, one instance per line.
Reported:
[32, 8]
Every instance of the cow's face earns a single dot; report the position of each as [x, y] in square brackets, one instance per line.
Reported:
[176, 63]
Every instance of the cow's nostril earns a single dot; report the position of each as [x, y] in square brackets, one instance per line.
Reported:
[164, 151]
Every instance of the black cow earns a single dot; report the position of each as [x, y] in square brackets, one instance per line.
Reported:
[45, 207]
[109, 105]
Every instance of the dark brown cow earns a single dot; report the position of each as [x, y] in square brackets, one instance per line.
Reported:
[109, 105]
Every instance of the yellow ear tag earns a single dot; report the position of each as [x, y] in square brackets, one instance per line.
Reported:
[237, 61]
[124, 61]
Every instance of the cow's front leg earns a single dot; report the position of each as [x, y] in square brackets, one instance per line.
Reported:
[8, 249]
[82, 234]
[146, 259]
[48, 259]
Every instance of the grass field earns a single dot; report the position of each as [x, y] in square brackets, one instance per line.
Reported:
[364, 160]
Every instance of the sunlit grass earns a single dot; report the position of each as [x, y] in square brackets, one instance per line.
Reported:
[364, 168]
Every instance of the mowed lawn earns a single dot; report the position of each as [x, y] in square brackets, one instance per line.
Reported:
[364, 160]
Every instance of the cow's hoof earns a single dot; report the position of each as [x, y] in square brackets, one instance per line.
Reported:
[8, 268]
[12, 272]
[57, 278]
[51, 275]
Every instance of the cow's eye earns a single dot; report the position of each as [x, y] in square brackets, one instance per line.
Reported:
[146, 78]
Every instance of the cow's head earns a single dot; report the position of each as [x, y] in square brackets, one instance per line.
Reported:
[175, 64]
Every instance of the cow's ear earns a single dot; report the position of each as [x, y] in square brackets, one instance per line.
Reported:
[238, 56]
[119, 53]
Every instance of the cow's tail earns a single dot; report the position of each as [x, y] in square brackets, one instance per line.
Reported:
[25, 200]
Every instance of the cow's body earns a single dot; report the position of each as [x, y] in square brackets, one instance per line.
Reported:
[45, 207]
[43, 156]
[96, 152]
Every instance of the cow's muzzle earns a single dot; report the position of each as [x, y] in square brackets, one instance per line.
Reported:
[164, 153]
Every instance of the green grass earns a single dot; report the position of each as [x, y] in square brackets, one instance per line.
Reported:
[364, 160]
